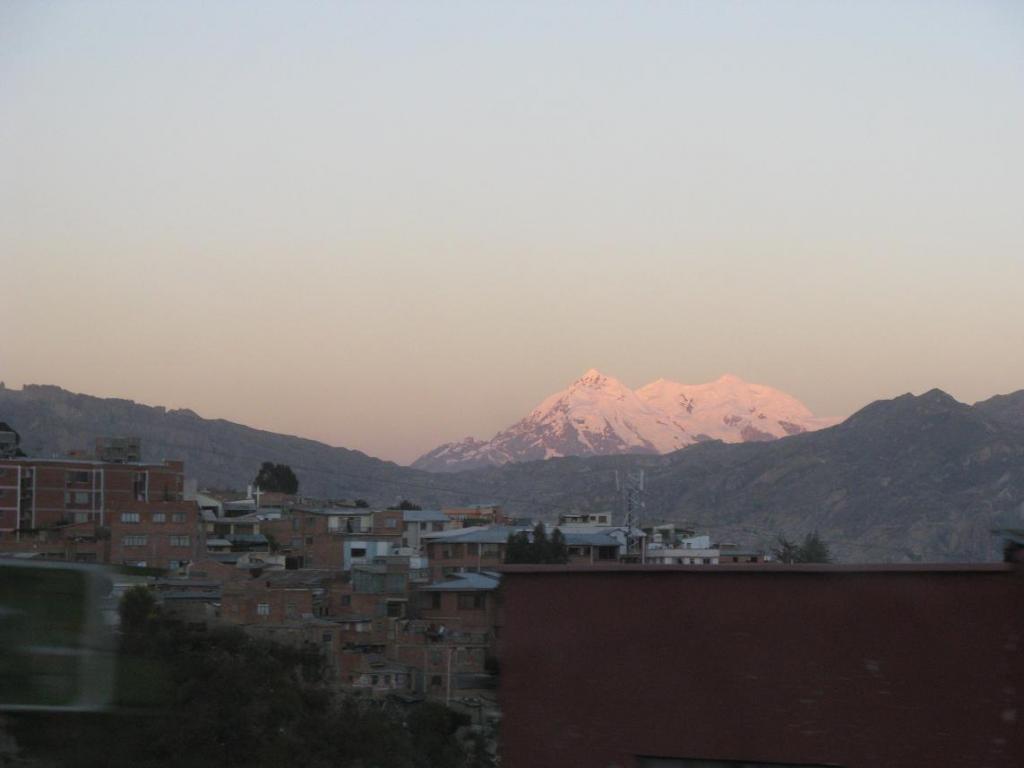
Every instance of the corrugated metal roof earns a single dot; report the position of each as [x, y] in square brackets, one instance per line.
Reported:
[482, 534]
[424, 516]
[466, 582]
[591, 540]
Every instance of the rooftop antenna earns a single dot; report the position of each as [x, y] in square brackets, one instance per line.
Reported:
[631, 485]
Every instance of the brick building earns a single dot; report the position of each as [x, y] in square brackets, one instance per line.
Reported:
[107, 511]
[334, 537]
[165, 534]
[680, 667]
[43, 493]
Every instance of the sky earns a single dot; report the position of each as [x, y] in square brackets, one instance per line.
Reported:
[389, 225]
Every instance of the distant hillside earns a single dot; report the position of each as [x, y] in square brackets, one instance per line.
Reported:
[221, 454]
[913, 478]
[1006, 408]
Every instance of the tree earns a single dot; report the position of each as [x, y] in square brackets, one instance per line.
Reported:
[407, 505]
[137, 608]
[518, 548]
[559, 552]
[362, 504]
[541, 546]
[812, 549]
[277, 478]
[815, 550]
[538, 548]
[786, 551]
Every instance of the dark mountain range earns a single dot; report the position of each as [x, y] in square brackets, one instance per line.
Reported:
[218, 453]
[1005, 408]
[913, 478]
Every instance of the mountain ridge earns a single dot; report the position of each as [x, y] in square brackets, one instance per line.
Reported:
[599, 415]
[916, 477]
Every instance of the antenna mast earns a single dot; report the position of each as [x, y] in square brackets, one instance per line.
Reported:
[632, 487]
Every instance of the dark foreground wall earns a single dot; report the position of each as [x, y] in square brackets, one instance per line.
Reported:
[816, 665]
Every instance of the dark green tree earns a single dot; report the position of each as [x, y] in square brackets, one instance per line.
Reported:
[362, 504]
[537, 548]
[812, 549]
[518, 548]
[276, 478]
[136, 609]
[541, 546]
[558, 550]
[406, 505]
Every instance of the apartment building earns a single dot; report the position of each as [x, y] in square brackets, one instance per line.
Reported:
[167, 534]
[44, 493]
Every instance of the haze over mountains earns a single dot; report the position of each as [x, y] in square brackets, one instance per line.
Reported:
[598, 415]
[913, 478]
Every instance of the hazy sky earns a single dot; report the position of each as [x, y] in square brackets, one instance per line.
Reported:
[388, 225]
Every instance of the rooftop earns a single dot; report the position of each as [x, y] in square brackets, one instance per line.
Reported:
[767, 569]
[483, 534]
[424, 516]
[466, 582]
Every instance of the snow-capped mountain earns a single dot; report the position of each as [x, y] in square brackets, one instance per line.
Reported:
[731, 409]
[600, 415]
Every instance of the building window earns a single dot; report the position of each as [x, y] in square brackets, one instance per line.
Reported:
[129, 517]
[140, 486]
[77, 478]
[446, 553]
[327, 638]
[263, 609]
[178, 517]
[309, 541]
[134, 541]
[159, 517]
[471, 601]
[358, 551]
[472, 549]
[391, 522]
[180, 541]
[435, 681]
[346, 599]
[430, 600]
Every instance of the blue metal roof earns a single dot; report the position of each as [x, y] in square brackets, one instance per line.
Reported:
[466, 582]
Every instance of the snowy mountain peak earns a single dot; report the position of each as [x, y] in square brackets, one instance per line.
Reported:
[594, 379]
[598, 414]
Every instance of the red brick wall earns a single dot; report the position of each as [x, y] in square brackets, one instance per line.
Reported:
[108, 485]
[240, 603]
[862, 669]
[162, 538]
[453, 616]
[464, 556]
